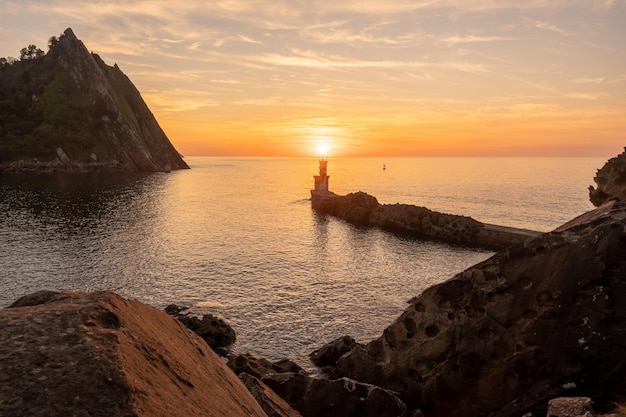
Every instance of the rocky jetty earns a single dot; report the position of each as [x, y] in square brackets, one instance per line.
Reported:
[78, 354]
[542, 319]
[610, 181]
[362, 209]
[68, 111]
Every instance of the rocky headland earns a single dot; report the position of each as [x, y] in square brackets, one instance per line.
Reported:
[610, 181]
[363, 209]
[68, 111]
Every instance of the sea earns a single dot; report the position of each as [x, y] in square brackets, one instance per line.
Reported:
[236, 237]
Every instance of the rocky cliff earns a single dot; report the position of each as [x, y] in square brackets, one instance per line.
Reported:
[363, 209]
[542, 319]
[610, 181]
[77, 354]
[69, 111]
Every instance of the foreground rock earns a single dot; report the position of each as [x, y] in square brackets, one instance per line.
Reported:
[363, 209]
[259, 367]
[610, 180]
[570, 407]
[543, 319]
[77, 354]
[331, 352]
[215, 331]
[271, 403]
[315, 397]
[312, 396]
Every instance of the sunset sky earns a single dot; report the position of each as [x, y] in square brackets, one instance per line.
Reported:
[367, 78]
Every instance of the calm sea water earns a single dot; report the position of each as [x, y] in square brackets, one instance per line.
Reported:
[237, 237]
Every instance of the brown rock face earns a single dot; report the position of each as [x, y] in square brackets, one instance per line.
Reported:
[215, 331]
[259, 367]
[77, 354]
[272, 404]
[611, 181]
[543, 319]
[316, 397]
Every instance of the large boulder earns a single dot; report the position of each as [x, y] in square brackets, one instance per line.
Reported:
[610, 181]
[543, 319]
[354, 208]
[215, 331]
[258, 366]
[331, 352]
[97, 354]
[315, 397]
[272, 404]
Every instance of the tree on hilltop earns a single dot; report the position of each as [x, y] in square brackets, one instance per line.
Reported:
[31, 52]
[52, 42]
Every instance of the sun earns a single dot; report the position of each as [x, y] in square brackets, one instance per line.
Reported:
[322, 149]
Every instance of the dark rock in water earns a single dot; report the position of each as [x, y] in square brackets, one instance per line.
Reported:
[215, 331]
[314, 397]
[68, 111]
[331, 352]
[270, 402]
[97, 354]
[543, 319]
[259, 367]
[611, 181]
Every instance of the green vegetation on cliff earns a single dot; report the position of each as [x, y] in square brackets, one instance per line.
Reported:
[39, 112]
[69, 98]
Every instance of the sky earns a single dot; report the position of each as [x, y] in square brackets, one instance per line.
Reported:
[359, 78]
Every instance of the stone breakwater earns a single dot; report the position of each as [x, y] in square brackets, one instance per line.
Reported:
[363, 209]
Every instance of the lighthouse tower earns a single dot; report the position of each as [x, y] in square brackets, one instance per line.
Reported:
[321, 180]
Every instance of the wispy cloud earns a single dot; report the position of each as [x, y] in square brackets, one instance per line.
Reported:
[583, 96]
[475, 39]
[620, 79]
[588, 80]
[546, 26]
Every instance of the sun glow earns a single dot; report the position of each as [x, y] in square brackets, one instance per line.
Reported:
[324, 139]
[322, 149]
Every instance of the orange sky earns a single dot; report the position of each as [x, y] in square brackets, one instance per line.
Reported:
[369, 78]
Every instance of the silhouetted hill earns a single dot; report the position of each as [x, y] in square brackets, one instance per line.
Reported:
[67, 110]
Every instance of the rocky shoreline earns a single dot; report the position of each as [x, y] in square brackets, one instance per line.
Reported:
[63, 164]
[538, 329]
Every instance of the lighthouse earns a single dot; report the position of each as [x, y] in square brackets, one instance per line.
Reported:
[320, 194]
[321, 180]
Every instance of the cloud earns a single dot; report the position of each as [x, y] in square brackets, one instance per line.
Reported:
[588, 80]
[546, 26]
[583, 96]
[620, 79]
[475, 39]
